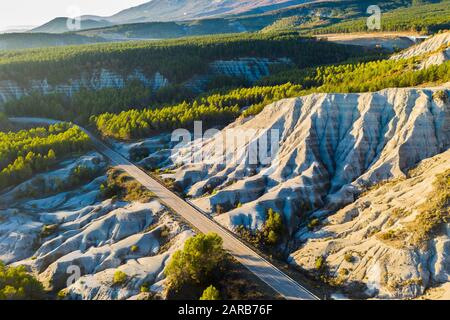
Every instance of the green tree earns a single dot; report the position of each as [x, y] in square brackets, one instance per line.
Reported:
[210, 293]
[194, 264]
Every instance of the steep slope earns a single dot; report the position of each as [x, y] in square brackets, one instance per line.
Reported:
[169, 10]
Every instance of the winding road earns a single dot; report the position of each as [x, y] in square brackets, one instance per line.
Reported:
[263, 269]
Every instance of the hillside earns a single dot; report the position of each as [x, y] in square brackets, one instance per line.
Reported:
[87, 231]
[304, 17]
[183, 54]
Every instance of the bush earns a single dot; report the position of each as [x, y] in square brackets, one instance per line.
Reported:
[195, 263]
[270, 234]
[17, 284]
[119, 277]
[210, 293]
[434, 214]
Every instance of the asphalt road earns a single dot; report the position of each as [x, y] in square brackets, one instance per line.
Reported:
[264, 270]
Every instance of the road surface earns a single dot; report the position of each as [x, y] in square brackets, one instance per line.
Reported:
[264, 270]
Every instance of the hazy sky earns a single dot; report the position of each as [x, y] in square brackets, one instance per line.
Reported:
[37, 12]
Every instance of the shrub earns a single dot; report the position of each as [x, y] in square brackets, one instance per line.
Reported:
[165, 232]
[390, 235]
[81, 174]
[134, 248]
[433, 214]
[210, 293]
[270, 234]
